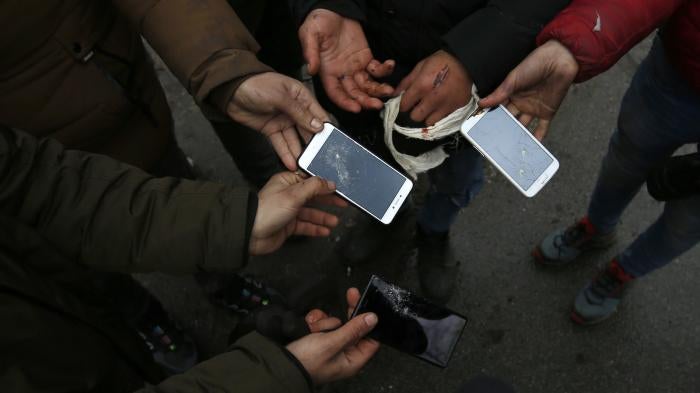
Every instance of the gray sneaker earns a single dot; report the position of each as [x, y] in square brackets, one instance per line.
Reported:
[565, 245]
[598, 301]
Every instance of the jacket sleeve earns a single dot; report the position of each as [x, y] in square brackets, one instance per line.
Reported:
[253, 365]
[495, 38]
[353, 9]
[110, 216]
[599, 32]
[203, 42]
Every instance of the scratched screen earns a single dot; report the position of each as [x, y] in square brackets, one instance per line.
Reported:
[359, 175]
[511, 147]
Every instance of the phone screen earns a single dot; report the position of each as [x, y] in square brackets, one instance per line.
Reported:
[511, 146]
[359, 175]
[410, 323]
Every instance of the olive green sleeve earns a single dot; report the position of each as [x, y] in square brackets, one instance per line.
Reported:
[110, 216]
[253, 365]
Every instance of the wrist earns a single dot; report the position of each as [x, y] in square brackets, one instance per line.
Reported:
[565, 60]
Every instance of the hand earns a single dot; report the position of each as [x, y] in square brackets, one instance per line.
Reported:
[278, 106]
[537, 86]
[281, 212]
[338, 354]
[436, 87]
[337, 47]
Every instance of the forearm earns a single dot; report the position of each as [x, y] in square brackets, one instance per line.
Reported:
[106, 215]
[204, 44]
[599, 32]
[253, 364]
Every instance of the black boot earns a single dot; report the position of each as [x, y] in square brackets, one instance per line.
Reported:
[437, 267]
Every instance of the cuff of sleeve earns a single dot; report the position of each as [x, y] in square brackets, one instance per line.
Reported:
[284, 367]
[215, 82]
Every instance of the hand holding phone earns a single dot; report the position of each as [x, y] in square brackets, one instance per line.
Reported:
[411, 323]
[360, 177]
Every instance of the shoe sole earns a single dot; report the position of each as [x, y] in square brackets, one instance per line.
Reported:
[579, 320]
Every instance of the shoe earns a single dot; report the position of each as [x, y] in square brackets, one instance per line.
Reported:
[172, 349]
[565, 245]
[437, 267]
[598, 301]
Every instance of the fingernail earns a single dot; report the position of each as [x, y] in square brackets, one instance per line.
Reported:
[315, 123]
[371, 319]
[331, 184]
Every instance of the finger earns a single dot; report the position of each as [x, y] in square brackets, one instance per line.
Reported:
[292, 138]
[381, 70]
[282, 149]
[353, 298]
[350, 333]
[541, 130]
[436, 116]
[302, 228]
[408, 80]
[309, 45]
[371, 87]
[354, 91]
[501, 94]
[309, 188]
[301, 106]
[513, 109]
[413, 95]
[325, 325]
[525, 119]
[338, 95]
[424, 108]
[314, 316]
[359, 354]
[318, 217]
[331, 200]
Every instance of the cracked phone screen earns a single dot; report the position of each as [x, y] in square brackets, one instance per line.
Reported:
[511, 146]
[411, 323]
[360, 176]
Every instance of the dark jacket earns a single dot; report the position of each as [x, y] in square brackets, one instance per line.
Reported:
[489, 37]
[65, 212]
[621, 25]
[77, 70]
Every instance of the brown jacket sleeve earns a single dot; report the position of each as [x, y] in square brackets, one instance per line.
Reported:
[253, 365]
[203, 42]
[110, 216]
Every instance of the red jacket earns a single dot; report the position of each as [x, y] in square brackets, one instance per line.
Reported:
[599, 32]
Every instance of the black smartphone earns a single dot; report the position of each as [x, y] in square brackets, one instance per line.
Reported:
[411, 323]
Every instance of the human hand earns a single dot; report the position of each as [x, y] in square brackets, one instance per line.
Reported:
[341, 353]
[537, 86]
[278, 106]
[436, 87]
[282, 212]
[337, 48]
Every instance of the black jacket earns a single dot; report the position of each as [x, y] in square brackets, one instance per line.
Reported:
[489, 37]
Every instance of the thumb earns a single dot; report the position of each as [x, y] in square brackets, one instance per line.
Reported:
[500, 95]
[310, 188]
[301, 106]
[352, 332]
[309, 45]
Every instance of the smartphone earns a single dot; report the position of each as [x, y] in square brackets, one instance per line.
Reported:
[511, 148]
[411, 323]
[360, 177]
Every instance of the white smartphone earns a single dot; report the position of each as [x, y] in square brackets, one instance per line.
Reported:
[511, 148]
[360, 177]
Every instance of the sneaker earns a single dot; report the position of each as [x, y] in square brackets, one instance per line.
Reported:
[565, 245]
[437, 267]
[172, 349]
[598, 301]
